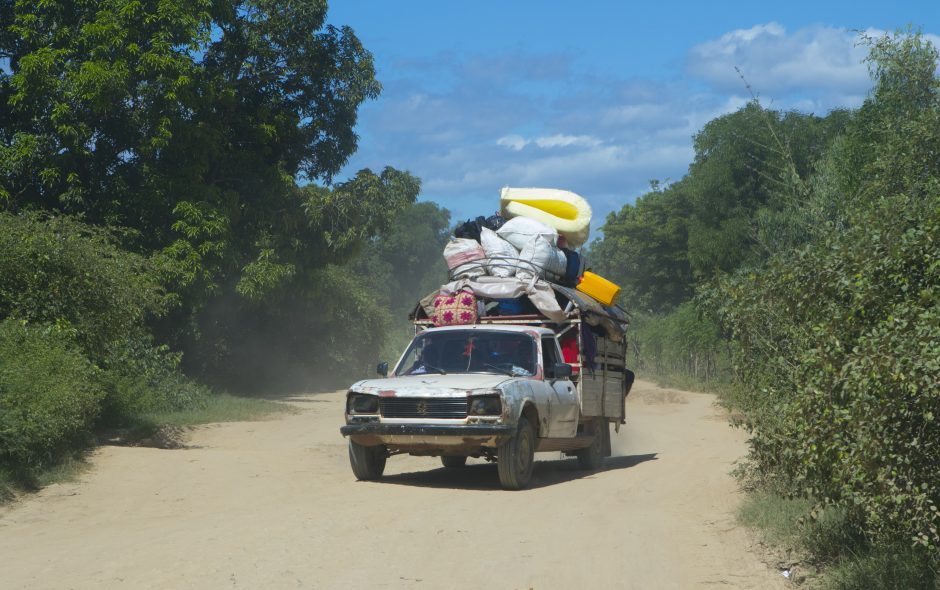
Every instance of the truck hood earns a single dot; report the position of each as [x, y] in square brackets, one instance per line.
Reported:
[430, 385]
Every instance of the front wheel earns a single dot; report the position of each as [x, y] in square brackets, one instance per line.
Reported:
[368, 463]
[515, 460]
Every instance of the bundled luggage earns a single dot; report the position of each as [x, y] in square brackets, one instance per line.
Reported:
[508, 259]
[501, 254]
[455, 309]
[464, 257]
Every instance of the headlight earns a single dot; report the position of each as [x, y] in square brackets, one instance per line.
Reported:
[361, 403]
[485, 406]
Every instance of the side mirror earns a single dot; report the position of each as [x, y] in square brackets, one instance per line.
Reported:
[561, 371]
[382, 369]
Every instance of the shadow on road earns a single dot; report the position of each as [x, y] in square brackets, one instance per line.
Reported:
[484, 476]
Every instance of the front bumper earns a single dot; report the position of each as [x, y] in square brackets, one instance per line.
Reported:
[413, 437]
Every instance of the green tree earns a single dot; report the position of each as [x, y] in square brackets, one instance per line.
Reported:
[184, 121]
[749, 165]
[209, 131]
[645, 250]
[58, 271]
[838, 336]
[404, 266]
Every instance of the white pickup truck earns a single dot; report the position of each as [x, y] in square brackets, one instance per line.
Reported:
[499, 389]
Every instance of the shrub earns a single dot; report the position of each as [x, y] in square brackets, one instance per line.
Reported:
[49, 396]
[840, 345]
[142, 378]
[683, 345]
[60, 271]
[839, 339]
[887, 568]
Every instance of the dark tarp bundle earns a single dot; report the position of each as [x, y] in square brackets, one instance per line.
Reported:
[471, 228]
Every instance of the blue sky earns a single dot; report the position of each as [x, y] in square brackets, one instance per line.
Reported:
[597, 97]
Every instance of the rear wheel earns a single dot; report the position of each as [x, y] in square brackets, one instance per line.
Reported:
[367, 463]
[515, 460]
[453, 461]
[593, 456]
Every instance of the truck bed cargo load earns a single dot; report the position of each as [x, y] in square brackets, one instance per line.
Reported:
[501, 367]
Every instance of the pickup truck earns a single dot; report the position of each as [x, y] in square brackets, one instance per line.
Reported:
[499, 389]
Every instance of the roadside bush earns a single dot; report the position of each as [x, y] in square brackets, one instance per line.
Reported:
[839, 340]
[49, 397]
[884, 569]
[140, 377]
[829, 550]
[81, 303]
[57, 270]
[683, 345]
[840, 349]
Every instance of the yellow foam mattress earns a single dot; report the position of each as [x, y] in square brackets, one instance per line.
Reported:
[565, 211]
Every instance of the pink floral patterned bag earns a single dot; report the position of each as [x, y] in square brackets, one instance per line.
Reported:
[458, 308]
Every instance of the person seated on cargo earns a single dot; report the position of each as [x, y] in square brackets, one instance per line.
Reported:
[425, 361]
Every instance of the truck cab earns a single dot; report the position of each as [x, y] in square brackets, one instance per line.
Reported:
[492, 390]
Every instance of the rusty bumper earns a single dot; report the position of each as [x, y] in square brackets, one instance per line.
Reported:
[426, 437]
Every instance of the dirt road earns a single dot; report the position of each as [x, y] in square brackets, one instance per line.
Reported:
[273, 504]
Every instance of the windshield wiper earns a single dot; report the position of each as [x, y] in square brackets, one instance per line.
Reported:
[432, 369]
[500, 369]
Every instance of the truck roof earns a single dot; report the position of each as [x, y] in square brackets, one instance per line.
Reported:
[495, 328]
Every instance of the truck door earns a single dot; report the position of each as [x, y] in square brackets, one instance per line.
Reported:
[563, 398]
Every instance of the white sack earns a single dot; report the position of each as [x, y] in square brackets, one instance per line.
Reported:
[502, 255]
[542, 259]
[464, 258]
[519, 231]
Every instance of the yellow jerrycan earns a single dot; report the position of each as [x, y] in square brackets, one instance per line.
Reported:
[598, 287]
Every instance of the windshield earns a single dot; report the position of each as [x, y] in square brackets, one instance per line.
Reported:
[469, 351]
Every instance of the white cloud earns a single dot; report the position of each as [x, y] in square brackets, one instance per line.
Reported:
[558, 140]
[779, 63]
[468, 125]
[562, 140]
[934, 40]
[630, 113]
[513, 142]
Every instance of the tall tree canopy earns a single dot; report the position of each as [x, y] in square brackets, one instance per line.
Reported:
[184, 121]
[208, 131]
[745, 167]
[733, 208]
[646, 250]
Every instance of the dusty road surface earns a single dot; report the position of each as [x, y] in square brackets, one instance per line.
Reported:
[273, 504]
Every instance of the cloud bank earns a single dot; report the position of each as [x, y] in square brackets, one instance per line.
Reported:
[468, 125]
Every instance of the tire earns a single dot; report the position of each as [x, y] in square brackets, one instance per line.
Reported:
[515, 460]
[368, 463]
[592, 457]
[453, 461]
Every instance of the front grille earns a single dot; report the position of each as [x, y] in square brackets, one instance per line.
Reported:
[423, 407]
